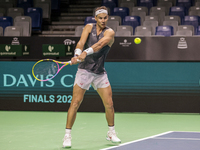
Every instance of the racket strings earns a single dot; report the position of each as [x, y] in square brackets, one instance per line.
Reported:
[46, 70]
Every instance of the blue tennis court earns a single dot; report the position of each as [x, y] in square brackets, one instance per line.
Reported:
[166, 141]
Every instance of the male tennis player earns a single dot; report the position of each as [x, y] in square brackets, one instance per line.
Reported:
[91, 50]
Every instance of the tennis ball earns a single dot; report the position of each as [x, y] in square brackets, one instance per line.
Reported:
[137, 40]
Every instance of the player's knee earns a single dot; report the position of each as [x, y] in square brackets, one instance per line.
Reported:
[109, 104]
[75, 104]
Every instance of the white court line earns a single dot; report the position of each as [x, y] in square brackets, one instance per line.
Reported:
[138, 140]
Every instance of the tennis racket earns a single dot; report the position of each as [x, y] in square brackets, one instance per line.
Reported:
[47, 69]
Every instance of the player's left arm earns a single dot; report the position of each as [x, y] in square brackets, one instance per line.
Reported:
[108, 39]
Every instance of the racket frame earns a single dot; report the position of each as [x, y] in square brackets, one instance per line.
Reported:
[57, 62]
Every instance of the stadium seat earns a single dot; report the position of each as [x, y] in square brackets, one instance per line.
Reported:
[165, 4]
[36, 18]
[111, 4]
[25, 4]
[173, 18]
[129, 1]
[140, 9]
[173, 2]
[146, 3]
[6, 21]
[13, 31]
[123, 33]
[143, 31]
[152, 23]
[164, 30]
[151, 18]
[172, 23]
[160, 15]
[2, 12]
[46, 8]
[89, 19]
[198, 30]
[125, 28]
[26, 24]
[177, 11]
[78, 30]
[194, 13]
[186, 27]
[1, 31]
[133, 21]
[184, 3]
[159, 9]
[115, 18]
[141, 14]
[15, 11]
[121, 11]
[128, 5]
[184, 33]
[191, 20]
[113, 25]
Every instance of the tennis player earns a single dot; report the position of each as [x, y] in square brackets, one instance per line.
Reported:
[91, 50]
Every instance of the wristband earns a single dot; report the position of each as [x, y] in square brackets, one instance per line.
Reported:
[89, 51]
[77, 52]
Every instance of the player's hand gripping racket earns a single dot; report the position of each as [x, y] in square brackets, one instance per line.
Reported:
[47, 69]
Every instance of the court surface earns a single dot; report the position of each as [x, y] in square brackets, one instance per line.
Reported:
[166, 141]
[33, 130]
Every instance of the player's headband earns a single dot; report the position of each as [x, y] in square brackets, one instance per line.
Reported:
[101, 11]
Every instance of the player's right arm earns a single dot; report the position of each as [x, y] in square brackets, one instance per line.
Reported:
[80, 45]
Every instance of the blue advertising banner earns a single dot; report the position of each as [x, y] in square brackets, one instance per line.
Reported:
[137, 87]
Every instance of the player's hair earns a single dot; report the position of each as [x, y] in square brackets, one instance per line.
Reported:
[102, 7]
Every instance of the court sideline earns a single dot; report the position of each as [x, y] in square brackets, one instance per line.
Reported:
[27, 130]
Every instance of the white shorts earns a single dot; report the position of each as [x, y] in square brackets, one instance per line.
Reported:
[84, 79]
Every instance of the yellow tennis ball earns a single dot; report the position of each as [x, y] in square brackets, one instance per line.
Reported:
[137, 40]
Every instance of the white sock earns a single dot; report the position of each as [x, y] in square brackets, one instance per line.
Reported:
[111, 128]
[67, 131]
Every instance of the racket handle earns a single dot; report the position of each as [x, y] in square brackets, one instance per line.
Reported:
[71, 62]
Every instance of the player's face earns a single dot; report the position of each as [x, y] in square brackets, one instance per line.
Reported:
[101, 20]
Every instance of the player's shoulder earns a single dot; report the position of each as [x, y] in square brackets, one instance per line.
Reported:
[110, 31]
[88, 26]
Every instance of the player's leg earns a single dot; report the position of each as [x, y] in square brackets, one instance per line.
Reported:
[106, 96]
[78, 94]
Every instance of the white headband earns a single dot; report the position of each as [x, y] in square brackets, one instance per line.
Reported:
[101, 11]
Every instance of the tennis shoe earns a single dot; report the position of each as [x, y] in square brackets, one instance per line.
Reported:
[111, 136]
[67, 141]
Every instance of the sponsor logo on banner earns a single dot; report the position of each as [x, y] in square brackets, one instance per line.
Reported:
[70, 46]
[182, 44]
[15, 41]
[125, 43]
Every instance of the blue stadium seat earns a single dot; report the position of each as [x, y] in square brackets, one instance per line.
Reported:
[177, 11]
[198, 30]
[6, 21]
[146, 3]
[184, 3]
[133, 21]
[121, 11]
[191, 20]
[89, 19]
[25, 4]
[164, 30]
[36, 15]
[111, 4]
